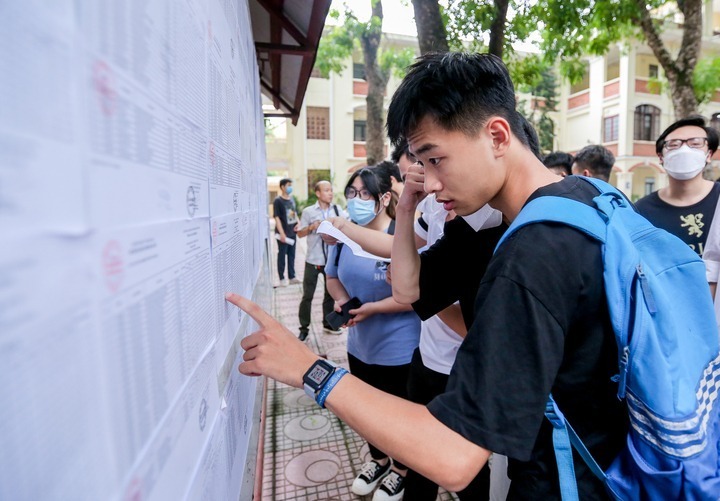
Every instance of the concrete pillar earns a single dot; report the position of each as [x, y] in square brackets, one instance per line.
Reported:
[627, 111]
[597, 86]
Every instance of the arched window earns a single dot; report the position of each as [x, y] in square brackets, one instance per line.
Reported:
[647, 122]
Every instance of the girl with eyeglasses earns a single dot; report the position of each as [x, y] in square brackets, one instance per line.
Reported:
[383, 333]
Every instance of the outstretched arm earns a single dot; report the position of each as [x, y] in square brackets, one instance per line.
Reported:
[372, 241]
[400, 428]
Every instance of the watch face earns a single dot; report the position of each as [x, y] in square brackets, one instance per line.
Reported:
[318, 374]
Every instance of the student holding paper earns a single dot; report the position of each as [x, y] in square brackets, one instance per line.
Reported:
[285, 214]
[383, 333]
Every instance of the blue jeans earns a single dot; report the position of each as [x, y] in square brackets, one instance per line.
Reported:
[289, 251]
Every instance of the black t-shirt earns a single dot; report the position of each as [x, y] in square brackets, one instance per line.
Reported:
[541, 326]
[691, 223]
[451, 269]
[286, 211]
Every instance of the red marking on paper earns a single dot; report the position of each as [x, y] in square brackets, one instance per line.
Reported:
[113, 265]
[103, 82]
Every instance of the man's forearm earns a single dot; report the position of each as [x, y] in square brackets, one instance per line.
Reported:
[279, 226]
[407, 432]
[405, 260]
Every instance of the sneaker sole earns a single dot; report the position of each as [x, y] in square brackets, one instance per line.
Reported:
[364, 490]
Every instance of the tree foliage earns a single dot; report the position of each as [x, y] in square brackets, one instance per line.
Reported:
[706, 79]
[430, 26]
[543, 101]
[495, 26]
[572, 29]
[336, 49]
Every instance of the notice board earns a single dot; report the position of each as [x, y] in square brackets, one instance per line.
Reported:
[132, 197]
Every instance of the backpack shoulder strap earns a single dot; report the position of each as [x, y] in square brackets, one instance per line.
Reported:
[336, 210]
[391, 227]
[559, 210]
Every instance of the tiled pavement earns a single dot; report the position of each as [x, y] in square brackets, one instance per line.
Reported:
[309, 453]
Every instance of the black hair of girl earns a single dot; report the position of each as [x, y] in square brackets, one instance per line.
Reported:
[376, 185]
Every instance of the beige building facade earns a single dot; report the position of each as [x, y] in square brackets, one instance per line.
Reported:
[619, 104]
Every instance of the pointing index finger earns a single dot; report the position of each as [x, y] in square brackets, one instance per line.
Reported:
[253, 309]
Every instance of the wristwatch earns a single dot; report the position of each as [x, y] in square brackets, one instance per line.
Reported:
[317, 375]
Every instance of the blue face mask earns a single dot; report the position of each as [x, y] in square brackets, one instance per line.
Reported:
[361, 211]
[289, 190]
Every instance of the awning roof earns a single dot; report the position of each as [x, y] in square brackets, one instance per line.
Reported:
[286, 34]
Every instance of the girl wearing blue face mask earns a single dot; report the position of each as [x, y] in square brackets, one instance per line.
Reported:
[383, 334]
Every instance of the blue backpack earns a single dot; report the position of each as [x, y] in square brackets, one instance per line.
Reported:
[668, 354]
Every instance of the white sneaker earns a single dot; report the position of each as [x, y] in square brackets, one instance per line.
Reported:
[334, 332]
[282, 283]
[370, 475]
[295, 280]
[391, 488]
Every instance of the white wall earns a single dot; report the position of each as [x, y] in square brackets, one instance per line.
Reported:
[132, 197]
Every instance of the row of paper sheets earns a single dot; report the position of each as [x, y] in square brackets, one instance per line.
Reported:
[132, 197]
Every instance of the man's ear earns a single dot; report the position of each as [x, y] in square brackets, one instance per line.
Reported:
[500, 132]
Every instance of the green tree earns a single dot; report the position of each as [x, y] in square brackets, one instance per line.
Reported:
[494, 26]
[430, 26]
[337, 47]
[706, 79]
[543, 101]
[574, 28]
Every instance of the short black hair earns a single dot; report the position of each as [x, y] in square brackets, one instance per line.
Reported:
[597, 159]
[460, 91]
[388, 169]
[697, 121]
[400, 149]
[559, 159]
[285, 181]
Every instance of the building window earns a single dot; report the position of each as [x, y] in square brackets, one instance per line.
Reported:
[318, 123]
[653, 71]
[647, 122]
[610, 128]
[360, 133]
[359, 71]
[649, 185]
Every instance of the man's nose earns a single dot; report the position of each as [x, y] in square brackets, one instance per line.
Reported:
[432, 183]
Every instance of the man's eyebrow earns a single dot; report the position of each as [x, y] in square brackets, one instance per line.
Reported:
[424, 149]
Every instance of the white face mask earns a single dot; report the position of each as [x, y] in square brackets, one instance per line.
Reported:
[684, 163]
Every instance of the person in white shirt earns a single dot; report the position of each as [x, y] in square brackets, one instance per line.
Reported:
[316, 255]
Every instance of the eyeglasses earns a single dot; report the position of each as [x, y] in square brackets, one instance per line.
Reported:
[693, 142]
[351, 192]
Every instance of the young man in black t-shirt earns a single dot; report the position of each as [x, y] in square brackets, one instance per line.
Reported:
[541, 322]
[285, 214]
[685, 207]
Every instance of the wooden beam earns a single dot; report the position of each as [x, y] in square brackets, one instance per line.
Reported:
[317, 21]
[278, 48]
[276, 95]
[287, 25]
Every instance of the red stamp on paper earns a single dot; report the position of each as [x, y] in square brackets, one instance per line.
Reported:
[113, 265]
[103, 82]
